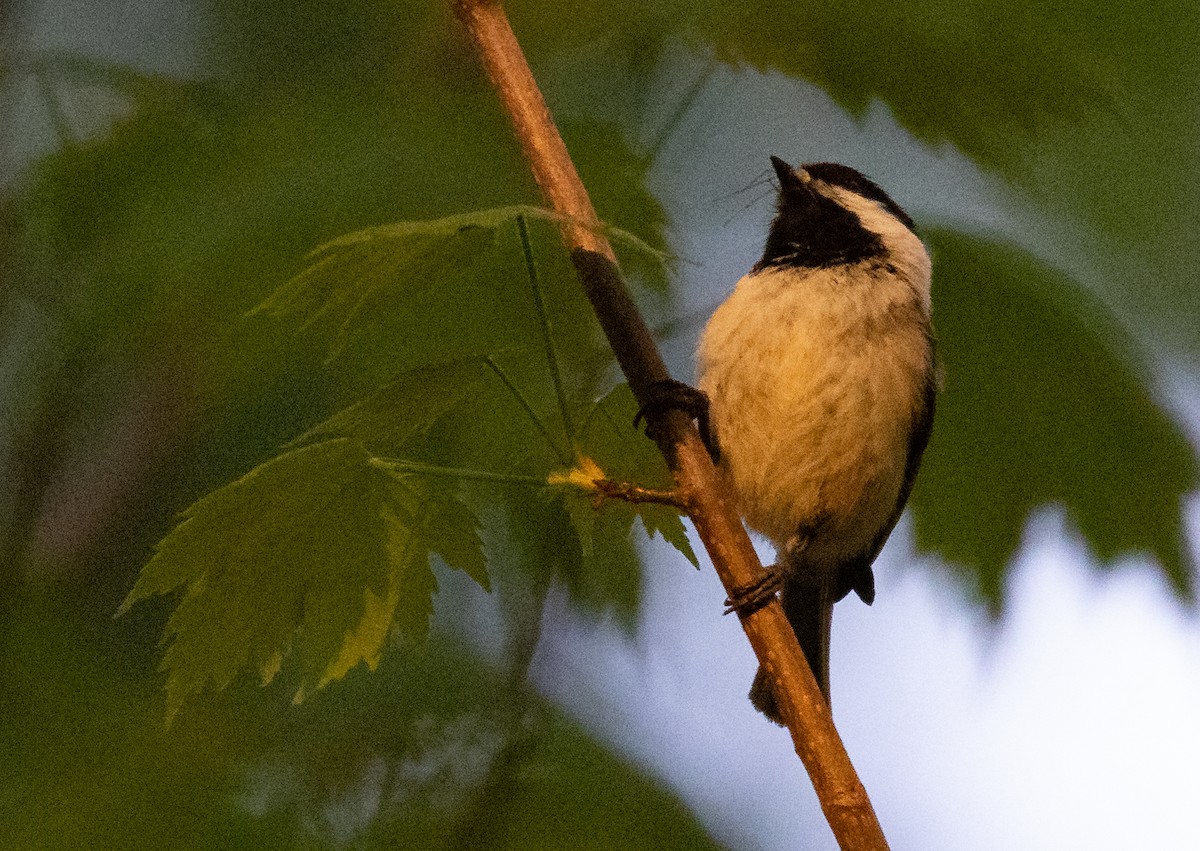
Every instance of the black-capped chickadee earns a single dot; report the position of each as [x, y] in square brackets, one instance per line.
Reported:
[820, 377]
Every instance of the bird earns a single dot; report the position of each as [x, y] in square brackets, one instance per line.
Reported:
[817, 380]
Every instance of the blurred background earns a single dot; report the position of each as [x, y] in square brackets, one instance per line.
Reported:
[1030, 673]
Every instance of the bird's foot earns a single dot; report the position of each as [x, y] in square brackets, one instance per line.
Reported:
[672, 395]
[751, 597]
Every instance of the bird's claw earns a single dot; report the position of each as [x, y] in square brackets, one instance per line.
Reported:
[751, 597]
[671, 395]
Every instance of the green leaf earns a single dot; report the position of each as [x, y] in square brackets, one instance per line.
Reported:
[583, 520]
[537, 534]
[604, 568]
[449, 529]
[393, 418]
[499, 768]
[369, 292]
[323, 546]
[394, 294]
[541, 534]
[426, 517]
[666, 521]
[1045, 402]
[627, 455]
[1012, 69]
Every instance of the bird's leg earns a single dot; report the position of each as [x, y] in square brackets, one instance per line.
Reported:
[672, 395]
[754, 595]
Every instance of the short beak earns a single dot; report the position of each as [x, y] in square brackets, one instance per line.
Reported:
[789, 178]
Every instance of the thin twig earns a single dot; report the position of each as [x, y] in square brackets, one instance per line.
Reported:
[629, 492]
[841, 793]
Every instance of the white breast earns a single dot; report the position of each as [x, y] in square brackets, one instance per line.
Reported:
[814, 378]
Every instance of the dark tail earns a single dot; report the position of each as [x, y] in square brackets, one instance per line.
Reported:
[808, 604]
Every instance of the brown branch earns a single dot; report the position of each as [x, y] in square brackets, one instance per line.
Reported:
[842, 796]
[629, 492]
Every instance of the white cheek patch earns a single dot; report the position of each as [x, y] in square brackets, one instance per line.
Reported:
[906, 250]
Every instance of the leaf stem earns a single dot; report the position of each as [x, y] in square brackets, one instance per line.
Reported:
[540, 305]
[421, 468]
[563, 457]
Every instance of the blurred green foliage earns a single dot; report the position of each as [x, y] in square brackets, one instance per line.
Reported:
[134, 384]
[433, 750]
[1046, 401]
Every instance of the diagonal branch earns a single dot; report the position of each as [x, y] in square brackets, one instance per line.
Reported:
[842, 795]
